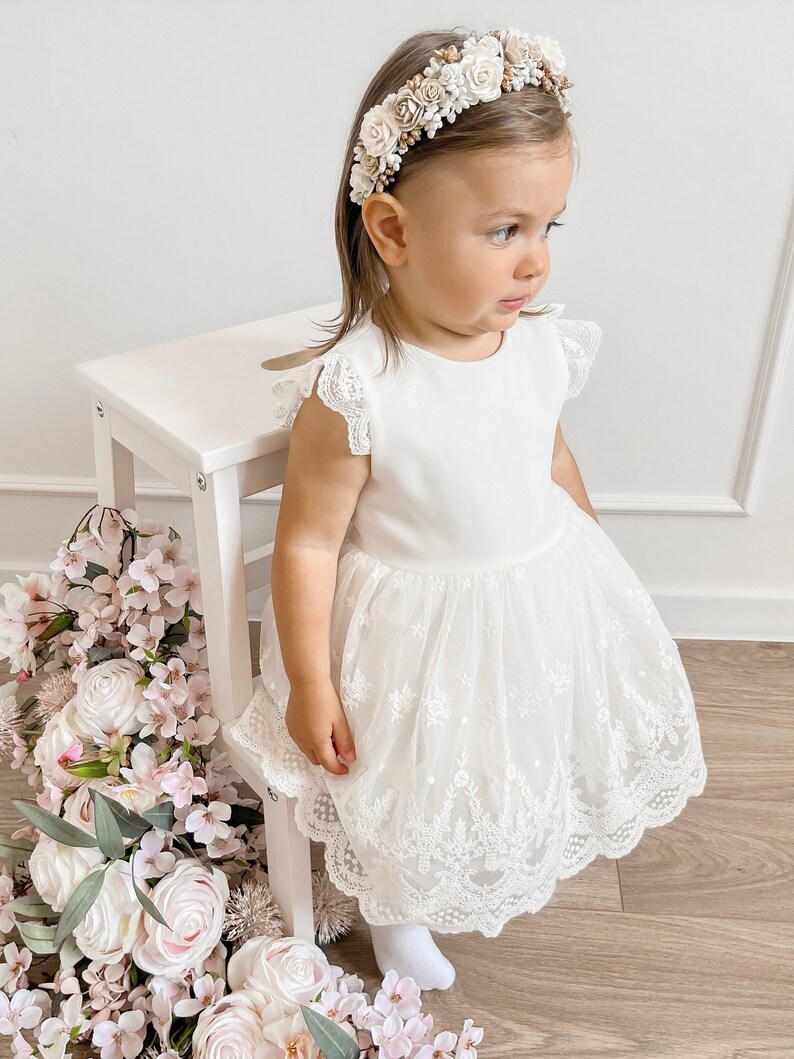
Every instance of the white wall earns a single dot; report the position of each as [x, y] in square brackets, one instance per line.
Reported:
[169, 167]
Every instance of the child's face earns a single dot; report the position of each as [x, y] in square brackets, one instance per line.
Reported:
[455, 244]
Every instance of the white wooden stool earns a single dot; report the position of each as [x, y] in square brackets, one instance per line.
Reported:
[200, 411]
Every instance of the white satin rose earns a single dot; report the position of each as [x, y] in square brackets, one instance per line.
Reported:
[113, 922]
[233, 1029]
[288, 969]
[191, 900]
[482, 72]
[57, 870]
[107, 700]
[58, 736]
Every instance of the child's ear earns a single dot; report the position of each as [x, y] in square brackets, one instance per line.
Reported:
[383, 217]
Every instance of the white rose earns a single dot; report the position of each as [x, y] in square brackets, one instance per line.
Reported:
[107, 699]
[191, 900]
[58, 737]
[288, 969]
[57, 870]
[113, 922]
[233, 1029]
[380, 130]
[550, 50]
[482, 74]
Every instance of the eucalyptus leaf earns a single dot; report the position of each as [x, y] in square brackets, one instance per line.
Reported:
[54, 827]
[70, 956]
[332, 1040]
[108, 834]
[78, 905]
[31, 906]
[38, 938]
[161, 816]
[146, 904]
[17, 850]
[99, 654]
[130, 823]
[186, 846]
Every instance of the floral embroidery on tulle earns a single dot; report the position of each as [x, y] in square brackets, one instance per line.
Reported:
[580, 341]
[338, 386]
[601, 741]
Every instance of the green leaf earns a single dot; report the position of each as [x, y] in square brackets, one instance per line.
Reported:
[31, 906]
[70, 955]
[147, 905]
[93, 570]
[131, 824]
[54, 827]
[161, 816]
[17, 850]
[332, 1040]
[108, 833]
[186, 846]
[38, 938]
[243, 814]
[56, 626]
[88, 770]
[78, 905]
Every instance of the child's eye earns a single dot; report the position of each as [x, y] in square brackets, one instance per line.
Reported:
[512, 227]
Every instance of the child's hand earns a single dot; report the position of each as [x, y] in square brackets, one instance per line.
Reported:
[317, 723]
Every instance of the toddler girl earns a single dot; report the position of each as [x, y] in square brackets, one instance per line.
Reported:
[465, 686]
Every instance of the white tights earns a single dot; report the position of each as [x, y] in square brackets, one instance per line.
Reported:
[409, 949]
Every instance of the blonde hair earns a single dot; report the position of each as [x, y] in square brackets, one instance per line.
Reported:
[514, 119]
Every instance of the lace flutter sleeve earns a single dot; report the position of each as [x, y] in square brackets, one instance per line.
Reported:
[580, 340]
[338, 386]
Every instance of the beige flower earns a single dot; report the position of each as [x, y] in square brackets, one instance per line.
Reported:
[516, 47]
[432, 93]
[408, 109]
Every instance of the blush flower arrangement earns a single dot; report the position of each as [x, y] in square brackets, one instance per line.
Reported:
[142, 861]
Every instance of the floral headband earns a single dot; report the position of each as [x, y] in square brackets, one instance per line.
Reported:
[501, 61]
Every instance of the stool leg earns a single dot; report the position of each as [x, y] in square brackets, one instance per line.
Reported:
[288, 865]
[217, 515]
[115, 475]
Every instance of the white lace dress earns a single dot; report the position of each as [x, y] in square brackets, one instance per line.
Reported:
[517, 705]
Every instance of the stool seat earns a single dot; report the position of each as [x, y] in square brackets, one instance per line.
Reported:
[201, 412]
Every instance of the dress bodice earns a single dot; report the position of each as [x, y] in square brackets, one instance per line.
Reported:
[460, 451]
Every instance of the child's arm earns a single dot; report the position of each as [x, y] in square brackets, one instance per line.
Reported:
[565, 472]
[322, 482]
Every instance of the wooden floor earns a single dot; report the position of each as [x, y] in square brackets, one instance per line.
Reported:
[683, 949]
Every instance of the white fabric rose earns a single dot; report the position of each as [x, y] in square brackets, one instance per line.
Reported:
[107, 699]
[288, 969]
[57, 870]
[113, 922]
[234, 1029]
[555, 60]
[380, 131]
[482, 74]
[58, 736]
[191, 900]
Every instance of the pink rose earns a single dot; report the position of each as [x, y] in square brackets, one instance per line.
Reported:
[288, 969]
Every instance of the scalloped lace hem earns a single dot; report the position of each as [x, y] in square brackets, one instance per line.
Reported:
[453, 906]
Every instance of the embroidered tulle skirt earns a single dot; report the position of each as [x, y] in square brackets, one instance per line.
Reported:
[509, 726]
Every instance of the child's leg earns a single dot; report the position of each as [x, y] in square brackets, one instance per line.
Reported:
[409, 949]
